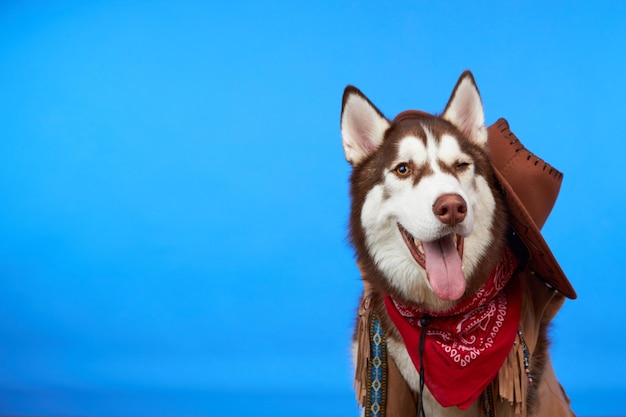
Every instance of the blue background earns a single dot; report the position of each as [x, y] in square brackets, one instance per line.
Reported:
[175, 195]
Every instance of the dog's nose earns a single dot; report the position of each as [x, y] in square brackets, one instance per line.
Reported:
[450, 209]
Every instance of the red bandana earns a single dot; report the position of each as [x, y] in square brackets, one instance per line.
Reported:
[466, 345]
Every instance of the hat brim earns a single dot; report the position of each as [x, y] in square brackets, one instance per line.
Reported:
[541, 259]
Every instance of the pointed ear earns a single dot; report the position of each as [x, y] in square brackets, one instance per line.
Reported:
[465, 110]
[362, 125]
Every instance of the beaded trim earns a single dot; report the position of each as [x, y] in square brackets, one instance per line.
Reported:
[526, 356]
[376, 372]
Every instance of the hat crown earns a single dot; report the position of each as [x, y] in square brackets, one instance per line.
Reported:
[535, 182]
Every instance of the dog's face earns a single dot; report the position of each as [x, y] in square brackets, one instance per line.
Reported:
[423, 205]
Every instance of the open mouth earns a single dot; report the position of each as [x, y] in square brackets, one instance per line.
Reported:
[442, 259]
[416, 247]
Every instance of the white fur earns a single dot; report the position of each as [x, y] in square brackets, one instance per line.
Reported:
[478, 242]
[399, 200]
[362, 128]
[401, 357]
[450, 152]
[465, 111]
[412, 149]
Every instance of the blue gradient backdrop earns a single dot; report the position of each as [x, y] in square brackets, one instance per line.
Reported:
[174, 192]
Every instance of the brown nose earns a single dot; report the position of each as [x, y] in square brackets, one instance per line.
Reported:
[450, 209]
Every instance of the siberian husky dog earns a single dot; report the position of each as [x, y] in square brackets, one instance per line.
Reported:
[428, 222]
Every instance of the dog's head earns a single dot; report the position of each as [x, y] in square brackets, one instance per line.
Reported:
[424, 210]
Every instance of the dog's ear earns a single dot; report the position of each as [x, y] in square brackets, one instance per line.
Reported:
[362, 125]
[465, 110]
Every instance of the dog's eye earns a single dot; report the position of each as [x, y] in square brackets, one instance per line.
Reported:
[402, 169]
[462, 165]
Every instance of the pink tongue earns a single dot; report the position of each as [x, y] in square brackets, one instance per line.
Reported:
[443, 265]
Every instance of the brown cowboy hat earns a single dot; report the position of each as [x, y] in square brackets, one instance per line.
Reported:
[531, 187]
